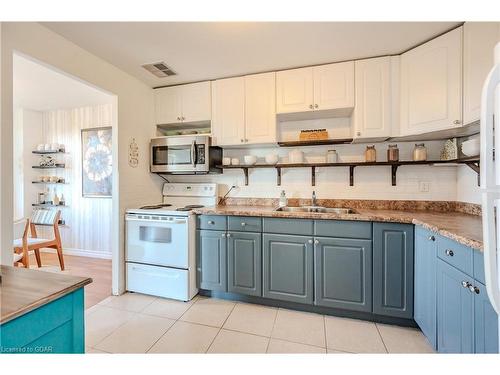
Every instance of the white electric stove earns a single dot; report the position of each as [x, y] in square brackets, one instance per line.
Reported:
[160, 242]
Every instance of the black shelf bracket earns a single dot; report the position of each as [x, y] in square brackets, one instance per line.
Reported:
[278, 176]
[245, 171]
[394, 169]
[313, 176]
[475, 167]
[351, 175]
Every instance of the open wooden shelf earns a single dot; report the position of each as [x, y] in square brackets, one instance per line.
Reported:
[472, 162]
[48, 152]
[62, 166]
[321, 142]
[48, 205]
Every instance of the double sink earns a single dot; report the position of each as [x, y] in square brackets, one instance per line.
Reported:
[318, 209]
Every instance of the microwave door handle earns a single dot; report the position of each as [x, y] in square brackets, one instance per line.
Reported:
[193, 153]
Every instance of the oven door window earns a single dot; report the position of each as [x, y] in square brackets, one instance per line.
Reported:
[155, 234]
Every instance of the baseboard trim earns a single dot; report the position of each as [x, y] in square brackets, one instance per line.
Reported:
[81, 253]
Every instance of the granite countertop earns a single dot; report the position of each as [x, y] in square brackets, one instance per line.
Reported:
[23, 290]
[463, 228]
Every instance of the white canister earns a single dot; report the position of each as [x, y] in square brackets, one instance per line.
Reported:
[235, 161]
[295, 157]
[226, 161]
[46, 147]
[332, 156]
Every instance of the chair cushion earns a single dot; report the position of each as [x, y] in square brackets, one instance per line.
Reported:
[31, 241]
[17, 257]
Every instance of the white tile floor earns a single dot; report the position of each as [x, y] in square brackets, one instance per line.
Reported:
[136, 323]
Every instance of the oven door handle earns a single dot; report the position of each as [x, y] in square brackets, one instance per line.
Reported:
[193, 152]
[175, 221]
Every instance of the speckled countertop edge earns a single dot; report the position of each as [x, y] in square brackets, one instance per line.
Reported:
[437, 222]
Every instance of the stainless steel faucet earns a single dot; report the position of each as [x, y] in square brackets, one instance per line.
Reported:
[313, 200]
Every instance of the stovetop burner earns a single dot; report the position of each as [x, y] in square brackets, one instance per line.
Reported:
[189, 207]
[155, 206]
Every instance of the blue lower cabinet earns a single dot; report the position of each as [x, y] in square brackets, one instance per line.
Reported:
[485, 322]
[393, 270]
[425, 284]
[244, 263]
[57, 327]
[212, 260]
[343, 273]
[288, 268]
[455, 310]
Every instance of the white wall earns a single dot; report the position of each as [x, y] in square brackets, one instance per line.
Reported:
[134, 120]
[333, 183]
[467, 188]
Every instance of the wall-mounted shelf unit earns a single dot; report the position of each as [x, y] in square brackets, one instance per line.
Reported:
[49, 183]
[472, 162]
[320, 142]
[46, 205]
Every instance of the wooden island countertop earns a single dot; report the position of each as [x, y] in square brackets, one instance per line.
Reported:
[23, 290]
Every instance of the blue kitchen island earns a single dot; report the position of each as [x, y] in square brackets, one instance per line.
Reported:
[41, 312]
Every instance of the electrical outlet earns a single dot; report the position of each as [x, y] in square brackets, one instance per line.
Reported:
[424, 186]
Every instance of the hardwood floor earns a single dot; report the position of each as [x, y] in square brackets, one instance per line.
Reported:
[98, 269]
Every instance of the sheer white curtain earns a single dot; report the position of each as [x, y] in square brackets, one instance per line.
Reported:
[88, 219]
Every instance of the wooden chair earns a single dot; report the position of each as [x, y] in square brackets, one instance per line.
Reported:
[26, 244]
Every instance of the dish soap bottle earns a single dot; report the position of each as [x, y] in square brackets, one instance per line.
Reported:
[283, 201]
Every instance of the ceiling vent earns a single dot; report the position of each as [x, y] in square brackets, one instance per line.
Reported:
[159, 69]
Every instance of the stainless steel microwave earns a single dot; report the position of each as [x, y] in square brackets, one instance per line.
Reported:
[192, 154]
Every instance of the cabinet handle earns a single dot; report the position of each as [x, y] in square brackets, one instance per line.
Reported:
[310, 241]
[358, 134]
[228, 235]
[316, 242]
[449, 252]
[178, 118]
[311, 106]
[456, 122]
[242, 140]
[476, 290]
[432, 238]
[466, 284]
[315, 106]
[246, 140]
[183, 118]
[243, 224]
[223, 234]
[199, 269]
[211, 222]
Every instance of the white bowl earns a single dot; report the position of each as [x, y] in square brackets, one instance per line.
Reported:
[250, 159]
[272, 159]
[471, 147]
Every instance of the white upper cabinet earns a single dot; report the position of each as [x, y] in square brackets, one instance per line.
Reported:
[431, 85]
[333, 86]
[294, 90]
[372, 114]
[244, 110]
[479, 40]
[185, 103]
[196, 102]
[260, 108]
[320, 88]
[168, 108]
[228, 111]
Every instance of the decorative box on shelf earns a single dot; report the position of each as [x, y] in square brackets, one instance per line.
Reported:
[313, 135]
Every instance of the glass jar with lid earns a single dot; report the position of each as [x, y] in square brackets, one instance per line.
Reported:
[392, 153]
[370, 154]
[332, 156]
[419, 152]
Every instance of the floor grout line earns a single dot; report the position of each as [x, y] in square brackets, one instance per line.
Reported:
[381, 338]
[272, 329]
[220, 329]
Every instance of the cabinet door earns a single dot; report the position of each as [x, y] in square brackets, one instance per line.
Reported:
[343, 273]
[455, 310]
[168, 108]
[244, 263]
[431, 85]
[372, 114]
[294, 90]
[211, 260]
[425, 283]
[228, 111]
[260, 108]
[288, 268]
[485, 322]
[393, 270]
[196, 102]
[334, 86]
[480, 39]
